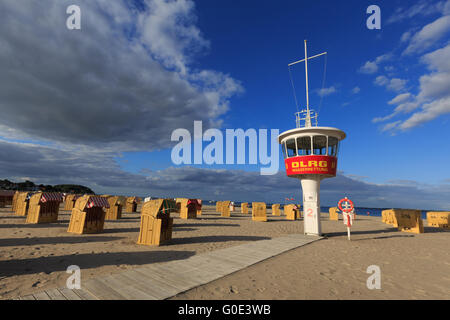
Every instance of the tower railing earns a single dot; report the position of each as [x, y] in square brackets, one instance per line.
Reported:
[306, 118]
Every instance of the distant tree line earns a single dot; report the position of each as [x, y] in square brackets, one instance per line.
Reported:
[31, 186]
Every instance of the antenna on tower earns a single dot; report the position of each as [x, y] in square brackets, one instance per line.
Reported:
[306, 115]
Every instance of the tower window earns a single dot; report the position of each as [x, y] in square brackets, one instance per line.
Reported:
[332, 146]
[291, 149]
[320, 145]
[304, 146]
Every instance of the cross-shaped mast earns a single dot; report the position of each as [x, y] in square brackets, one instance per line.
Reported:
[308, 115]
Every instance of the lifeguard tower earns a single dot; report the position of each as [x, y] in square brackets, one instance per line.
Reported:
[310, 154]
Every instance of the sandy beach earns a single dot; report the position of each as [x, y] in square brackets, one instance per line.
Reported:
[413, 266]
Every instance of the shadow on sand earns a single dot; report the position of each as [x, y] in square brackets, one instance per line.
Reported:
[390, 230]
[87, 261]
[207, 239]
[13, 217]
[120, 230]
[53, 240]
[24, 225]
[434, 230]
[340, 234]
[387, 237]
[182, 225]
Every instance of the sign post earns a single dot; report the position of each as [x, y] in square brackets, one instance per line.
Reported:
[348, 212]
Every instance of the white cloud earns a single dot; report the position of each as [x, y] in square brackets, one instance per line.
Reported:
[422, 8]
[326, 91]
[406, 36]
[389, 126]
[168, 29]
[394, 84]
[429, 112]
[381, 81]
[356, 90]
[371, 67]
[400, 98]
[438, 60]
[428, 35]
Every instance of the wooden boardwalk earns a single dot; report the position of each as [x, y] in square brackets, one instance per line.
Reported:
[159, 281]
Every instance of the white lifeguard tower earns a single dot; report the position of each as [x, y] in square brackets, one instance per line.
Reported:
[310, 154]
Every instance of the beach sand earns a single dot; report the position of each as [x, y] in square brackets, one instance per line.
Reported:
[413, 266]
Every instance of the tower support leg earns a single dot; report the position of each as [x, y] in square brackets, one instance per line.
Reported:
[311, 205]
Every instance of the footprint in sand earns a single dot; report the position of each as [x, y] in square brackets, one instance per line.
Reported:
[234, 289]
[420, 291]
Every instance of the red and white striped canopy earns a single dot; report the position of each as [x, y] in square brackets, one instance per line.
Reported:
[196, 202]
[95, 201]
[57, 197]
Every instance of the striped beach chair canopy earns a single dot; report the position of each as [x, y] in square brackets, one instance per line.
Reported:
[7, 193]
[51, 197]
[97, 201]
[168, 206]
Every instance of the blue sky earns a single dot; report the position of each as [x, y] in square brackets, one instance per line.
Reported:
[97, 106]
[254, 41]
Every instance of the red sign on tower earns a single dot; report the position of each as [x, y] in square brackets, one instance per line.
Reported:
[325, 165]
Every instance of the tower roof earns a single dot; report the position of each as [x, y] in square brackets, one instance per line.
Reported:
[329, 131]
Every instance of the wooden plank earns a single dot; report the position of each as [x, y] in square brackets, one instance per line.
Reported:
[198, 274]
[243, 259]
[84, 295]
[41, 296]
[54, 294]
[250, 253]
[244, 250]
[146, 279]
[195, 275]
[168, 277]
[101, 291]
[175, 267]
[69, 294]
[157, 289]
[211, 269]
[213, 261]
[120, 284]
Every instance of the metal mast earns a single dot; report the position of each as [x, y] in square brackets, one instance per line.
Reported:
[308, 113]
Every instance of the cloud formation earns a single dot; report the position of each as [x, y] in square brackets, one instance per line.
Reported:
[428, 35]
[356, 90]
[371, 67]
[432, 99]
[394, 84]
[326, 91]
[121, 83]
[101, 173]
